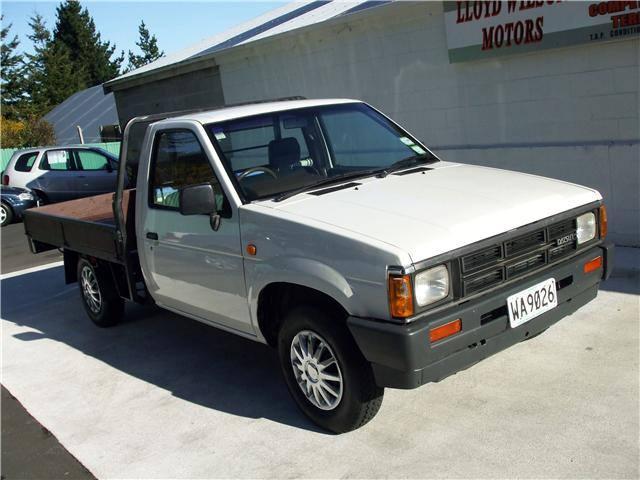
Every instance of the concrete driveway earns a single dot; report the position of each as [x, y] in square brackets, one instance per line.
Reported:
[164, 396]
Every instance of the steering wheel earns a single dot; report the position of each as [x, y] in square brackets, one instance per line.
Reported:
[249, 171]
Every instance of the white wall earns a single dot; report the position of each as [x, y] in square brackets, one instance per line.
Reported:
[569, 113]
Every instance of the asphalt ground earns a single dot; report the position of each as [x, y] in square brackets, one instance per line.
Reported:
[164, 396]
[29, 450]
[14, 250]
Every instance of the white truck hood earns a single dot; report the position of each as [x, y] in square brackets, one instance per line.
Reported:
[447, 207]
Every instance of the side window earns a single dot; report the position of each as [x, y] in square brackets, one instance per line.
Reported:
[25, 162]
[179, 161]
[90, 160]
[56, 160]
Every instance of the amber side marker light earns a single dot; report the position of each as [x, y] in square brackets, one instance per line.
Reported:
[444, 331]
[592, 265]
[251, 249]
[603, 221]
[400, 296]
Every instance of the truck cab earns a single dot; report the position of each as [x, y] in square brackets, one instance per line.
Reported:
[326, 230]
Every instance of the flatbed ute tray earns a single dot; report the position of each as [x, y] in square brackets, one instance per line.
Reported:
[86, 226]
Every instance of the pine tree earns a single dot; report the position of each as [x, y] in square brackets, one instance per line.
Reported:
[11, 72]
[61, 79]
[148, 45]
[76, 30]
[35, 66]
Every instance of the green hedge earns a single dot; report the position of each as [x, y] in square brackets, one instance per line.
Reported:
[113, 147]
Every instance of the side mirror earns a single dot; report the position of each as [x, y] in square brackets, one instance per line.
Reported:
[197, 200]
[200, 200]
[109, 167]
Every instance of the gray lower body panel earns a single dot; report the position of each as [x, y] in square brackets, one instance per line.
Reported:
[403, 357]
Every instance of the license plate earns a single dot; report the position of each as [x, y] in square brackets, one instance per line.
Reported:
[533, 301]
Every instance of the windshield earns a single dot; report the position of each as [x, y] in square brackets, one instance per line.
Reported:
[287, 151]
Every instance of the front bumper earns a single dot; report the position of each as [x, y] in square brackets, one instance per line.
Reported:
[402, 356]
[19, 206]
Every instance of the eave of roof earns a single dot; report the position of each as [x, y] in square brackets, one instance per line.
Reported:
[202, 60]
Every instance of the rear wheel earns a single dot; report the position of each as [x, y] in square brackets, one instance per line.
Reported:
[326, 374]
[6, 214]
[99, 295]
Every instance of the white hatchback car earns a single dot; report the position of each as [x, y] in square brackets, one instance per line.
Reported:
[57, 174]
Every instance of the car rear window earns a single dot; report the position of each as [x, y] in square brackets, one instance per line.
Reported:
[25, 162]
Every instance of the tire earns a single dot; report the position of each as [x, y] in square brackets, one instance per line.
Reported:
[357, 400]
[6, 214]
[99, 296]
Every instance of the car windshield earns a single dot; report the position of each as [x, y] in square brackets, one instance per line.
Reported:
[273, 154]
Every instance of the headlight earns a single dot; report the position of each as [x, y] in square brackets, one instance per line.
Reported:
[25, 196]
[586, 227]
[432, 285]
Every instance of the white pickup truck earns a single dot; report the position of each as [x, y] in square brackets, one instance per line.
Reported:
[326, 230]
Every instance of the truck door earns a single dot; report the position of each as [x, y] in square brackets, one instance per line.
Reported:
[189, 267]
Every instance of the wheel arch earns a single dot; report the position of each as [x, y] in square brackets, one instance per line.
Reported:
[277, 298]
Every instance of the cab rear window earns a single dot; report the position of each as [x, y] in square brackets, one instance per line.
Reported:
[25, 162]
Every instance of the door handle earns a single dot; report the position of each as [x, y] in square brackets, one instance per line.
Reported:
[152, 235]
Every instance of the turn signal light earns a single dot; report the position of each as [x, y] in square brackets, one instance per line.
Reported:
[592, 265]
[603, 221]
[444, 331]
[400, 296]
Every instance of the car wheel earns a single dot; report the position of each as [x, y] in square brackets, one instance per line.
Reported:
[99, 296]
[6, 214]
[325, 372]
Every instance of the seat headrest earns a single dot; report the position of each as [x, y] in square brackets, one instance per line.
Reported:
[284, 152]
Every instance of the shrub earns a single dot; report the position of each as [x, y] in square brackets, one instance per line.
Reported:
[31, 132]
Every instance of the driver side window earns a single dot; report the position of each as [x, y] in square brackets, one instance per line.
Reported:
[179, 161]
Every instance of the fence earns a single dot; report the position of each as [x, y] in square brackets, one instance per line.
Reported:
[113, 147]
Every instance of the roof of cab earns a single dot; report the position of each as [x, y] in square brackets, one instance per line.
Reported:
[250, 109]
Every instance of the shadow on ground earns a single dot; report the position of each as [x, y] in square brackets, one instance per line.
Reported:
[623, 282]
[195, 362]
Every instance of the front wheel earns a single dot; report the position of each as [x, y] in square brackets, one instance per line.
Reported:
[99, 295]
[6, 215]
[325, 372]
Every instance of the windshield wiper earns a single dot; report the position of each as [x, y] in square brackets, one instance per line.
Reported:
[406, 162]
[381, 172]
[325, 181]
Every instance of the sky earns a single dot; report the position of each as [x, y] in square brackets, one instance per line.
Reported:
[176, 24]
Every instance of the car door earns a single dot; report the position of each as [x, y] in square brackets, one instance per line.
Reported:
[56, 176]
[95, 174]
[189, 267]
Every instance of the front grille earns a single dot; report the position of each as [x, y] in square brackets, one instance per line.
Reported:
[485, 256]
[524, 243]
[561, 251]
[515, 257]
[483, 281]
[559, 230]
[526, 265]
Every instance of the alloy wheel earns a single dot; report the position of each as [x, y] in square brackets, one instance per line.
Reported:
[316, 370]
[91, 289]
